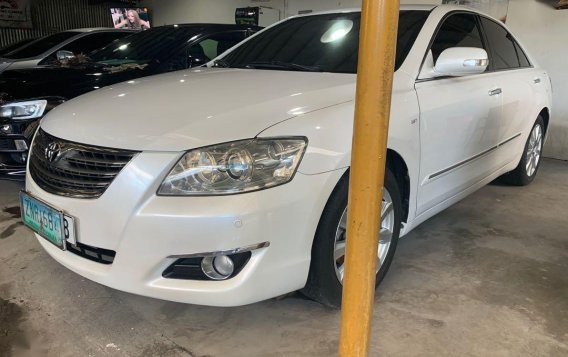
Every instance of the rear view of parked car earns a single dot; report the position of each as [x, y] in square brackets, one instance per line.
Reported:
[228, 185]
[30, 94]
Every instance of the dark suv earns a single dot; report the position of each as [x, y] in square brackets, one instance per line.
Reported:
[27, 95]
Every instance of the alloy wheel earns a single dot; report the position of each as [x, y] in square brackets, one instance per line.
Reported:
[534, 149]
[386, 233]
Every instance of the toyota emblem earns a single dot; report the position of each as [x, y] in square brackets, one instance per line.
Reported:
[52, 152]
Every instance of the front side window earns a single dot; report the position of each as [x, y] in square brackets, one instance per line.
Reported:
[322, 43]
[151, 46]
[503, 53]
[459, 30]
[204, 50]
[218, 43]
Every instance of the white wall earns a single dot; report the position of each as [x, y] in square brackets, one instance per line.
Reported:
[167, 12]
[544, 31]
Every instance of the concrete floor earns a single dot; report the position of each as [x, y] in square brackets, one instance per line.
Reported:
[487, 277]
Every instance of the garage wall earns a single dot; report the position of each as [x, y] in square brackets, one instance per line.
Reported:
[544, 31]
[223, 11]
[167, 12]
[50, 16]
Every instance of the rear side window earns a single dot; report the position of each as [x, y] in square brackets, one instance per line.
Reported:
[40, 46]
[523, 59]
[503, 47]
[459, 30]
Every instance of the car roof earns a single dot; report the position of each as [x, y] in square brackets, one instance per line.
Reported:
[214, 27]
[409, 7]
[355, 9]
[93, 29]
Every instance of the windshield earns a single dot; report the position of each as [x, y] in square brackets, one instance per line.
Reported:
[141, 48]
[319, 43]
[42, 45]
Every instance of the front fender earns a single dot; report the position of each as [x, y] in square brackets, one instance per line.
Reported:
[330, 133]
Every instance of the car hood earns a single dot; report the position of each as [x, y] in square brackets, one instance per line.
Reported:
[188, 109]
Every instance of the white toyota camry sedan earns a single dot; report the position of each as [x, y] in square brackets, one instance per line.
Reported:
[227, 185]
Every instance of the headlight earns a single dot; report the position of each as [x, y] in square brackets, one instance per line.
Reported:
[236, 167]
[23, 110]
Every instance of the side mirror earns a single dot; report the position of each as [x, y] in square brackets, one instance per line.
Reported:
[195, 61]
[461, 61]
[64, 55]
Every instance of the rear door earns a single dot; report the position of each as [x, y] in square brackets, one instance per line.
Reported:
[518, 81]
[459, 119]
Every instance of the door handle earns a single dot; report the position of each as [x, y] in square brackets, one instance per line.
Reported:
[536, 80]
[495, 91]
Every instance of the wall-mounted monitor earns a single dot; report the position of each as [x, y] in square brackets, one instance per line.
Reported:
[131, 18]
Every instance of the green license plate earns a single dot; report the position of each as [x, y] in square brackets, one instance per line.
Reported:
[43, 219]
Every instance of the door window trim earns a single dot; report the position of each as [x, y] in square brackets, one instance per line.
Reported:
[483, 39]
[514, 40]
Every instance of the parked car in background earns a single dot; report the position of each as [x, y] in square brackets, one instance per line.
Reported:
[154, 51]
[225, 186]
[14, 46]
[58, 46]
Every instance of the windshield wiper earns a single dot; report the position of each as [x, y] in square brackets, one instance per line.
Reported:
[282, 65]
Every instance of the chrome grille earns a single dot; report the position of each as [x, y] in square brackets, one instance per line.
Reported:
[75, 170]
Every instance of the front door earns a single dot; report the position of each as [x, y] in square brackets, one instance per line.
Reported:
[458, 119]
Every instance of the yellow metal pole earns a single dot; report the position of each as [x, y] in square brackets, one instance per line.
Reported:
[377, 45]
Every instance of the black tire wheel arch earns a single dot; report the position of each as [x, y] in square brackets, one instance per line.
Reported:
[322, 284]
[519, 176]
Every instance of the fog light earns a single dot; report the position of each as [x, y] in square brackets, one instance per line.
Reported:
[219, 267]
[21, 145]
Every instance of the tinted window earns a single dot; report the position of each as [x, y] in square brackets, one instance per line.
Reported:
[89, 43]
[218, 43]
[503, 53]
[205, 50]
[42, 45]
[157, 44]
[14, 46]
[327, 43]
[523, 59]
[460, 30]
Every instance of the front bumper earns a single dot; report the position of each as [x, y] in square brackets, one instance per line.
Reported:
[146, 230]
[14, 148]
[13, 157]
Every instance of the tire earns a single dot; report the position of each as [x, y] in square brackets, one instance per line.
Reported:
[527, 169]
[324, 284]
